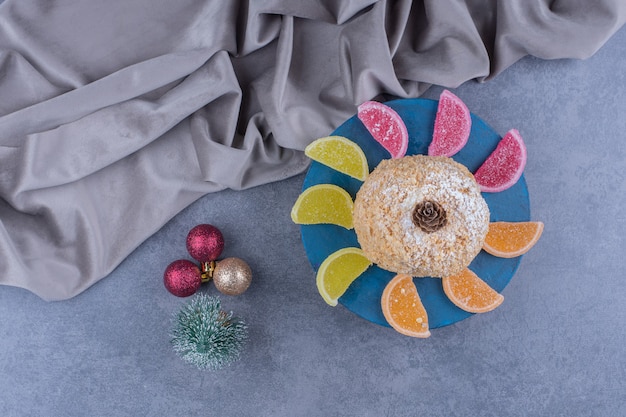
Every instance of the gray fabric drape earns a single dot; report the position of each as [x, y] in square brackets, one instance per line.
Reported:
[116, 115]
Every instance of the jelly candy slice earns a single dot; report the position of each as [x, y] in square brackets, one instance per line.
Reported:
[511, 239]
[338, 271]
[403, 308]
[470, 293]
[386, 127]
[323, 204]
[340, 154]
[452, 126]
[504, 166]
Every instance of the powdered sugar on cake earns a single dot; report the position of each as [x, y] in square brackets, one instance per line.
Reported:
[384, 216]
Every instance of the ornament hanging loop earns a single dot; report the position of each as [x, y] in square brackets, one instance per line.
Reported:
[206, 270]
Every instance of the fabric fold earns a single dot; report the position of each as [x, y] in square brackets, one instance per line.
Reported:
[116, 116]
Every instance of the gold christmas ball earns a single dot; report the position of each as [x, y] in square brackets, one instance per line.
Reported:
[232, 276]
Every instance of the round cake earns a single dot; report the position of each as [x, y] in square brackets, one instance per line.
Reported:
[421, 216]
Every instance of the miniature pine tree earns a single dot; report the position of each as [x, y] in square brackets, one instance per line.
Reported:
[206, 336]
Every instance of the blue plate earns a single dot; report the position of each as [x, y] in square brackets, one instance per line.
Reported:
[363, 296]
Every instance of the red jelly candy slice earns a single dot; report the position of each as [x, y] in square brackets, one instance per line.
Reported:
[504, 166]
[386, 126]
[452, 126]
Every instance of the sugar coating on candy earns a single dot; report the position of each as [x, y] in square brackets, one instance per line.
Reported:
[384, 224]
[453, 124]
[386, 127]
[504, 167]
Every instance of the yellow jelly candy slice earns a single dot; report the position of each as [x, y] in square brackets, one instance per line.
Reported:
[340, 154]
[323, 204]
[338, 271]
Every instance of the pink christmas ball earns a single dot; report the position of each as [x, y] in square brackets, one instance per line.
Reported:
[182, 278]
[205, 243]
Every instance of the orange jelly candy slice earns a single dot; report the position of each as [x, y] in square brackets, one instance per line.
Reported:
[510, 239]
[403, 308]
[470, 293]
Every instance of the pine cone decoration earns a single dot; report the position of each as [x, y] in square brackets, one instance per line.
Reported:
[429, 216]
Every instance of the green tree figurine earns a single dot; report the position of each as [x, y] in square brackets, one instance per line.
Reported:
[206, 336]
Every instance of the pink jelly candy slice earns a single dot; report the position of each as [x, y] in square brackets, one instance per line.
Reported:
[504, 166]
[386, 126]
[452, 126]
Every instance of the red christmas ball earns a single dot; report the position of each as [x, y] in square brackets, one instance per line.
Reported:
[182, 278]
[205, 243]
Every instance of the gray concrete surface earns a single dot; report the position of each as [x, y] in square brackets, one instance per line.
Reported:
[554, 348]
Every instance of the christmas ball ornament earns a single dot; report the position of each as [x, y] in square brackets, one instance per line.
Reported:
[205, 243]
[182, 278]
[232, 276]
